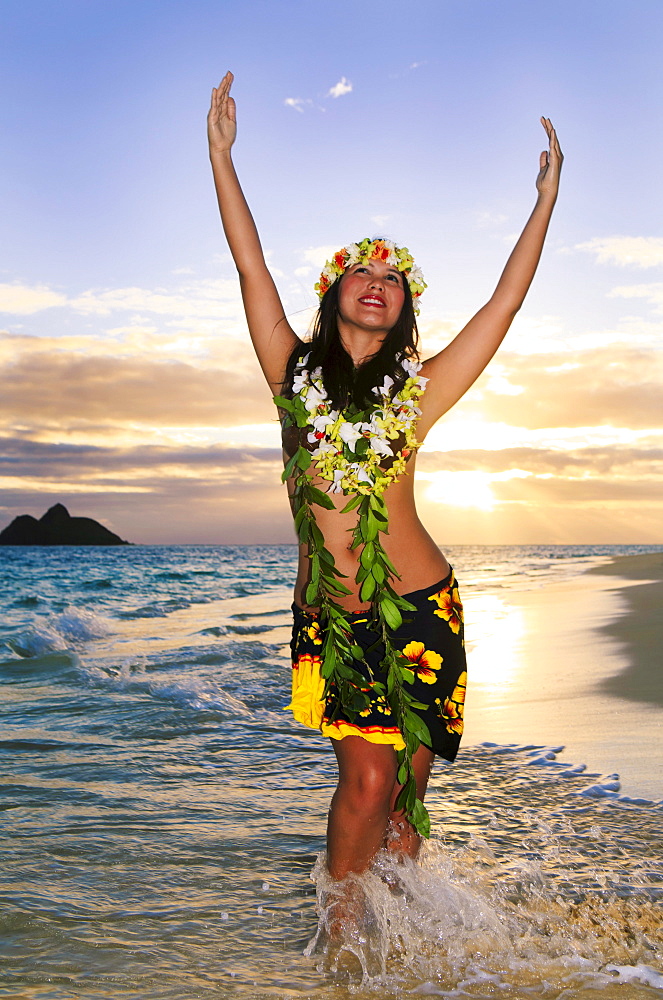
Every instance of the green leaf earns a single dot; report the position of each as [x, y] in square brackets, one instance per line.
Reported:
[351, 504]
[357, 652]
[370, 528]
[407, 675]
[289, 468]
[402, 775]
[367, 589]
[284, 403]
[304, 530]
[303, 458]
[391, 614]
[312, 593]
[367, 555]
[317, 537]
[299, 516]
[418, 728]
[321, 499]
[420, 819]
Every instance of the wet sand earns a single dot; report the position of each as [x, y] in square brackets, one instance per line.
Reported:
[577, 665]
[640, 629]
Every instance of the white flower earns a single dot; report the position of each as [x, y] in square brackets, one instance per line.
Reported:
[350, 433]
[416, 275]
[381, 447]
[299, 382]
[383, 390]
[353, 253]
[324, 447]
[322, 422]
[336, 486]
[314, 398]
[411, 367]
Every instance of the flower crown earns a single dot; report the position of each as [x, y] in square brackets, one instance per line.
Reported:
[360, 253]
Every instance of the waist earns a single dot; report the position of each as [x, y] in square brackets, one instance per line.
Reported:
[413, 596]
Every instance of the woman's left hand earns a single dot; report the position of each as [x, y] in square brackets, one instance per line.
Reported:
[550, 163]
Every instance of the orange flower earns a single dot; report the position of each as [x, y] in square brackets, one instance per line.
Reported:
[453, 708]
[424, 661]
[449, 606]
[381, 252]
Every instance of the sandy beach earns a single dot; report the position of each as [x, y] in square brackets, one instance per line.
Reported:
[577, 665]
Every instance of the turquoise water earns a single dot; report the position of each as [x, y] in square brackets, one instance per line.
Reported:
[162, 814]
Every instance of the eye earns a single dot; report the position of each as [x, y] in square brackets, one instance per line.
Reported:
[394, 277]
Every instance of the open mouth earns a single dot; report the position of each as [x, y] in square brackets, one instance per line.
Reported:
[372, 300]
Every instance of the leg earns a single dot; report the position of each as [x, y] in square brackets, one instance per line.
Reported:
[402, 837]
[360, 807]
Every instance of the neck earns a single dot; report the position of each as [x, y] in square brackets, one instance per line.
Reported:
[360, 344]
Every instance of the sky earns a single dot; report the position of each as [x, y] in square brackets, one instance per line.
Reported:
[128, 389]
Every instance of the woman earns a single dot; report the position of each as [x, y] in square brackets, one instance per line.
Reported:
[377, 644]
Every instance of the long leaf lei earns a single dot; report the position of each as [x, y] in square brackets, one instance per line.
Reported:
[359, 453]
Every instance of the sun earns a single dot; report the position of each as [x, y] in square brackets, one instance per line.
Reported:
[469, 490]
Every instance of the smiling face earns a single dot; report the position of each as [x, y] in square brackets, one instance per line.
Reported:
[371, 296]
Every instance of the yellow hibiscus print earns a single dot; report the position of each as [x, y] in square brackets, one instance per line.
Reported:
[313, 632]
[425, 662]
[452, 710]
[308, 686]
[449, 606]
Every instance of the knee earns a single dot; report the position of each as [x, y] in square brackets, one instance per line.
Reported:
[368, 789]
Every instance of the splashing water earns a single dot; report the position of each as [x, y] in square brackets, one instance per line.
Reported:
[542, 900]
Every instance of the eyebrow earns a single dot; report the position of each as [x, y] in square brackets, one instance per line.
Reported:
[390, 267]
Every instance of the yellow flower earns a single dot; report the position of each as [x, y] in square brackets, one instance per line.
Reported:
[313, 632]
[449, 606]
[453, 708]
[424, 661]
[308, 686]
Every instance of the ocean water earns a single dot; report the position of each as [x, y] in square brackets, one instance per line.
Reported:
[162, 817]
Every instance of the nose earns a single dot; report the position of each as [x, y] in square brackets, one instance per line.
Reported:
[377, 282]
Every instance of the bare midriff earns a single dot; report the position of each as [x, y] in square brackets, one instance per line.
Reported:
[416, 557]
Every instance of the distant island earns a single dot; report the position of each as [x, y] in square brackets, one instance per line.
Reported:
[58, 527]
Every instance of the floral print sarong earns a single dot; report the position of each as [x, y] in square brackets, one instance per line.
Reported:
[430, 637]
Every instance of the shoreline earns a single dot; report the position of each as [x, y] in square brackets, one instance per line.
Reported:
[573, 664]
[639, 629]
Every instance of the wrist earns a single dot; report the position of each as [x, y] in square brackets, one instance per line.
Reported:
[220, 154]
[546, 199]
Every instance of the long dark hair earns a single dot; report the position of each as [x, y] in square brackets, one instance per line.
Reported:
[344, 383]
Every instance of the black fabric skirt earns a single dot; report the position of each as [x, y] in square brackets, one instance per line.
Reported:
[432, 640]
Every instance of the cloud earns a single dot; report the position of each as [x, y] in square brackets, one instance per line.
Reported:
[298, 103]
[189, 304]
[57, 388]
[585, 389]
[652, 292]
[635, 251]
[339, 89]
[24, 300]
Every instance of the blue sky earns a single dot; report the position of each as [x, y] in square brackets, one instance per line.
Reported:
[124, 341]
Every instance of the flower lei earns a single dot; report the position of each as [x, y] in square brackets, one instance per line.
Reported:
[360, 253]
[350, 446]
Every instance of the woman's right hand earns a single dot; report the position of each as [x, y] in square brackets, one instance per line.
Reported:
[222, 117]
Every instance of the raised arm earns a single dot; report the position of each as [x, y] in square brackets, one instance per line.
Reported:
[272, 335]
[453, 370]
